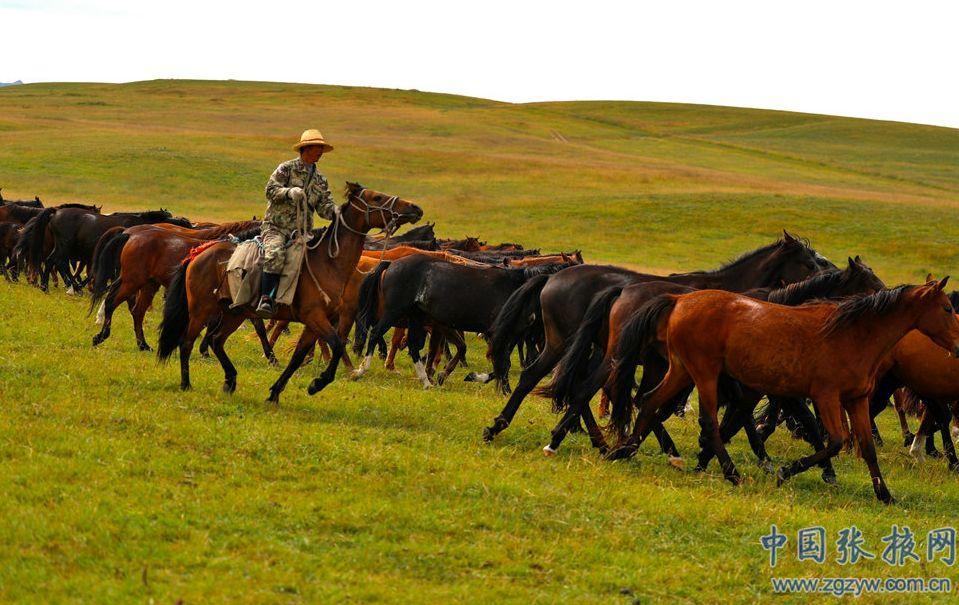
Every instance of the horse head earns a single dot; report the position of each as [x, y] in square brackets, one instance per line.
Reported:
[378, 210]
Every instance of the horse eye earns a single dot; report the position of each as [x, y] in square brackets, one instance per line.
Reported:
[948, 309]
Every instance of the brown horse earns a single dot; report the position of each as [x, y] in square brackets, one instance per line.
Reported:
[918, 364]
[403, 251]
[144, 259]
[193, 300]
[830, 353]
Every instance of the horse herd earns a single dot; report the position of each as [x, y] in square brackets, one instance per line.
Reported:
[781, 322]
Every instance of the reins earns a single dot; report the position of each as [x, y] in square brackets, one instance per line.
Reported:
[333, 246]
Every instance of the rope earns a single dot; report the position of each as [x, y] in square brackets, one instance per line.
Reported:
[333, 246]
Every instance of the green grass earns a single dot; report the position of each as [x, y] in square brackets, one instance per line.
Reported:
[119, 488]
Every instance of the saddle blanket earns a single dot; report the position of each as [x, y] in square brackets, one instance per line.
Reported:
[245, 268]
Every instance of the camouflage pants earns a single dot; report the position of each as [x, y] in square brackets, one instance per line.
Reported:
[274, 249]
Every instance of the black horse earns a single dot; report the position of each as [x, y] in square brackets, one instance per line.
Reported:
[75, 232]
[560, 303]
[417, 237]
[448, 297]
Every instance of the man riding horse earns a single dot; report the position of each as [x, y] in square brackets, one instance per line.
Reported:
[294, 192]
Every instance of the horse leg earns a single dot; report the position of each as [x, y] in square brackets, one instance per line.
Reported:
[265, 343]
[578, 407]
[116, 296]
[343, 327]
[676, 380]
[797, 409]
[398, 335]
[277, 326]
[415, 340]
[228, 325]
[459, 343]
[318, 323]
[862, 429]
[943, 417]
[186, 348]
[528, 379]
[434, 352]
[831, 414]
[373, 337]
[143, 301]
[303, 347]
[899, 401]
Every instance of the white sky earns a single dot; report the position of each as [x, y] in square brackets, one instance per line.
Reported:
[889, 60]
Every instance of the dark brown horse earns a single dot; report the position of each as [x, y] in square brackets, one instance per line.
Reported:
[193, 302]
[144, 258]
[833, 356]
[555, 306]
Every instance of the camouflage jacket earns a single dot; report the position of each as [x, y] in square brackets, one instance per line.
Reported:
[281, 209]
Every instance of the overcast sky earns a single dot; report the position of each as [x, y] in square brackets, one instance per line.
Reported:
[889, 60]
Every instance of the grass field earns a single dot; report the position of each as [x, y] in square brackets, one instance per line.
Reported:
[120, 488]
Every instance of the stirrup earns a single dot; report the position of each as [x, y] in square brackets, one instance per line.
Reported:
[266, 309]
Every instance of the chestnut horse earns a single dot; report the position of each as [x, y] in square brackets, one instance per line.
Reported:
[144, 258]
[193, 300]
[833, 356]
[921, 366]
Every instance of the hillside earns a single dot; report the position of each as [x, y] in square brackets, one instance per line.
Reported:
[654, 185]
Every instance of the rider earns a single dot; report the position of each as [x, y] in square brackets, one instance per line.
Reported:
[295, 190]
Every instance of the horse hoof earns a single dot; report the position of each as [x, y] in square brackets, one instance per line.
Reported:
[186, 387]
[934, 454]
[677, 462]
[488, 434]
[699, 469]
[734, 479]
[145, 347]
[471, 377]
[229, 387]
[97, 340]
[549, 452]
[907, 439]
[767, 465]
[440, 378]
[781, 476]
[621, 453]
[273, 361]
[829, 478]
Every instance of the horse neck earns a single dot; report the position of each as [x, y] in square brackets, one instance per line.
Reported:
[350, 246]
[741, 275]
[873, 338]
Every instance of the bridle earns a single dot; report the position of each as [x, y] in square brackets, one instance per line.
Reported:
[386, 209]
[333, 246]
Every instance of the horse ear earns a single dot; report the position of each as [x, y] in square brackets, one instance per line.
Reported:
[852, 263]
[942, 283]
[788, 236]
[858, 259]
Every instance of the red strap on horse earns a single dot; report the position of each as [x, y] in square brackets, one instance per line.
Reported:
[196, 251]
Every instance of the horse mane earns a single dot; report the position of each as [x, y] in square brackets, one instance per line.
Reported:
[352, 188]
[530, 272]
[247, 234]
[80, 206]
[748, 256]
[854, 307]
[810, 288]
[146, 214]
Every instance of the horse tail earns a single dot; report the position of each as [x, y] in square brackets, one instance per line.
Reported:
[176, 314]
[30, 247]
[575, 365]
[634, 340]
[520, 311]
[106, 262]
[367, 304]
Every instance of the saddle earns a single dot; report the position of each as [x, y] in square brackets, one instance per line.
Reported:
[245, 269]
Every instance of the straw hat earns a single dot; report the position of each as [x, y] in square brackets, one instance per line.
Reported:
[312, 136]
